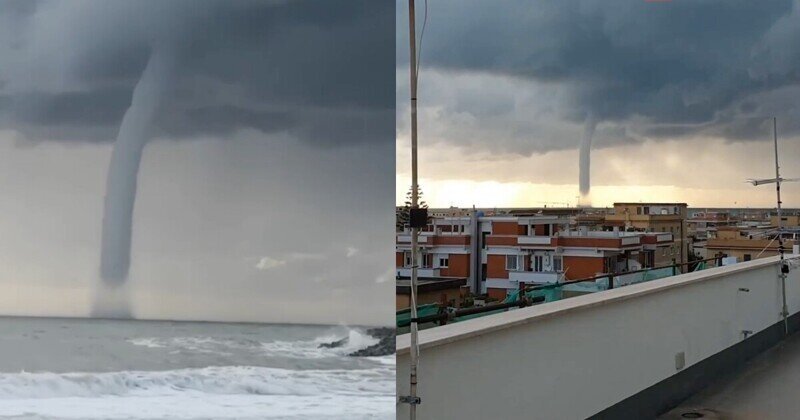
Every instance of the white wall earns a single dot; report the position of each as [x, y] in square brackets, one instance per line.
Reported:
[573, 358]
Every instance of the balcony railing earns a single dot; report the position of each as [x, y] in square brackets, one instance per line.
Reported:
[421, 272]
[533, 240]
[533, 276]
[630, 240]
[664, 237]
[406, 238]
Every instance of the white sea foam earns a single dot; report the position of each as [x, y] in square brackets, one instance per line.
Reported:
[303, 349]
[191, 344]
[312, 349]
[213, 392]
[211, 380]
[200, 407]
[188, 371]
[146, 342]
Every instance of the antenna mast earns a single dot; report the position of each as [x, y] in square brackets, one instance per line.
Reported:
[783, 267]
[412, 399]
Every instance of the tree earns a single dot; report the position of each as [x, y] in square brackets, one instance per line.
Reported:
[404, 213]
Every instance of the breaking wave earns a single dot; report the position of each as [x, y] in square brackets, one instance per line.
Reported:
[224, 380]
[354, 340]
[349, 341]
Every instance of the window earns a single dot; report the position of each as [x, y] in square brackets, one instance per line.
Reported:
[557, 264]
[647, 210]
[407, 259]
[638, 210]
[512, 262]
[747, 257]
[537, 263]
[443, 262]
[675, 210]
[525, 230]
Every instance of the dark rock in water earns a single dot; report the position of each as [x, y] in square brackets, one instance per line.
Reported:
[384, 347]
[334, 344]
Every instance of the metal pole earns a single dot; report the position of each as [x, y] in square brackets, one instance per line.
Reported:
[412, 40]
[785, 310]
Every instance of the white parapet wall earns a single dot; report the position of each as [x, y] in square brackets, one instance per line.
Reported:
[574, 358]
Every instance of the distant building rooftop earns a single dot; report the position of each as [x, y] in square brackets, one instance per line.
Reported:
[648, 204]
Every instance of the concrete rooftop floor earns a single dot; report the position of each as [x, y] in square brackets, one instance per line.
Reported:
[767, 387]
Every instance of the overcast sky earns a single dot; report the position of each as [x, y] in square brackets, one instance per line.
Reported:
[266, 192]
[682, 92]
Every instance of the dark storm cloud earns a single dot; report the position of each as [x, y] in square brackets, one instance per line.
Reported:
[18, 8]
[661, 69]
[305, 67]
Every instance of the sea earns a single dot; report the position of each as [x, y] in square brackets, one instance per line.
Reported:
[69, 368]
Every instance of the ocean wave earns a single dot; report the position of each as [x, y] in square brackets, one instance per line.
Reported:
[352, 341]
[197, 344]
[224, 380]
[146, 342]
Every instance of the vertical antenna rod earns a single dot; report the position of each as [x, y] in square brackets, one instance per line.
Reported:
[785, 309]
[412, 40]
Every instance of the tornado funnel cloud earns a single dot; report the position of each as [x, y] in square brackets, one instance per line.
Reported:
[585, 155]
[123, 169]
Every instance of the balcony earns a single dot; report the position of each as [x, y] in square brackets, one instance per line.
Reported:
[421, 272]
[531, 277]
[404, 238]
[664, 237]
[631, 352]
[533, 240]
[630, 240]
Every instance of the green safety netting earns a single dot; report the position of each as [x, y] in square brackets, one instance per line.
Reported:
[584, 287]
[631, 278]
[404, 315]
[658, 273]
[466, 317]
[551, 293]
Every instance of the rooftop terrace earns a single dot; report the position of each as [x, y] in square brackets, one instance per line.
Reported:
[633, 352]
[764, 388]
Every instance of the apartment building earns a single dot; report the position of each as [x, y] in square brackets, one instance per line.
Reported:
[530, 257]
[519, 249]
[446, 261]
[654, 217]
[745, 244]
[495, 254]
[703, 225]
[788, 220]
